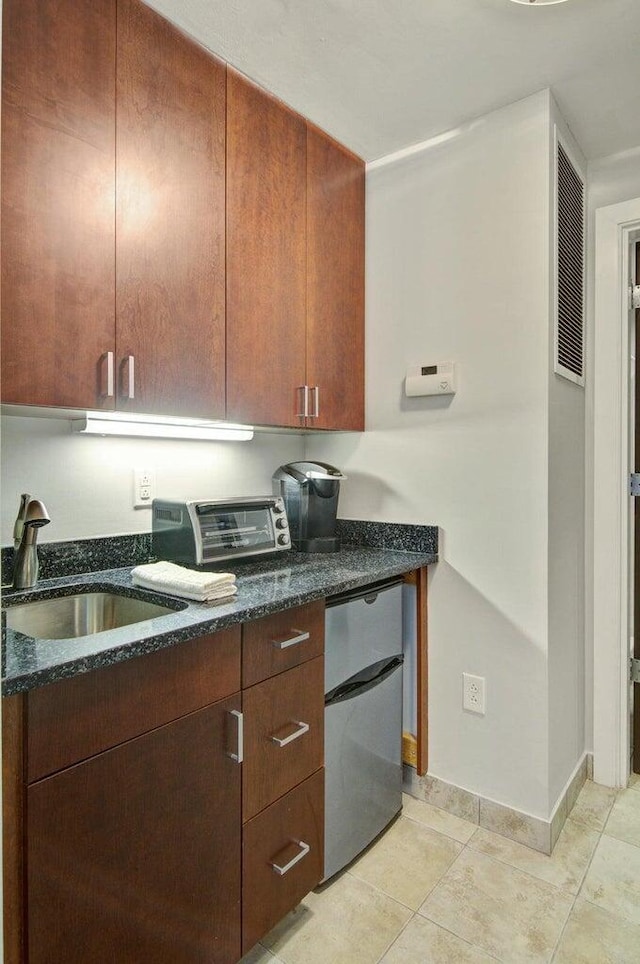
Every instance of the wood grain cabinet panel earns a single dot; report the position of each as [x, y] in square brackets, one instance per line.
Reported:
[76, 718]
[58, 157]
[282, 858]
[170, 227]
[335, 283]
[283, 734]
[280, 641]
[266, 286]
[135, 854]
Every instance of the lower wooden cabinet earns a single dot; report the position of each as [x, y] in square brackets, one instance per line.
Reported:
[134, 855]
[284, 734]
[282, 857]
[134, 832]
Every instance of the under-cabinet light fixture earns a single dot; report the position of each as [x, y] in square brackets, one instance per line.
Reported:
[156, 426]
[538, 3]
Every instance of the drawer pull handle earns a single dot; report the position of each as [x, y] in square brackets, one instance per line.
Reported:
[108, 390]
[305, 401]
[284, 641]
[238, 756]
[304, 850]
[302, 728]
[129, 365]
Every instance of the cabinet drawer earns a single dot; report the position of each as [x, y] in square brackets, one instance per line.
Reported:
[283, 734]
[76, 718]
[279, 837]
[281, 641]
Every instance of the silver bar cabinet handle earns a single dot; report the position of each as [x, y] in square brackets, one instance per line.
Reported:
[238, 757]
[283, 642]
[305, 401]
[304, 850]
[110, 389]
[131, 376]
[315, 391]
[302, 728]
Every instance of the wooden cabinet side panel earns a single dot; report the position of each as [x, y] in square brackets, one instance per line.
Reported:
[13, 829]
[75, 718]
[335, 282]
[136, 852]
[262, 656]
[58, 169]
[266, 895]
[266, 288]
[170, 218]
[277, 707]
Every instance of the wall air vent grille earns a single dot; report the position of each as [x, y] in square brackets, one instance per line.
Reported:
[570, 270]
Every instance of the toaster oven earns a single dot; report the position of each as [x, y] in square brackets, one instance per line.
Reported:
[205, 531]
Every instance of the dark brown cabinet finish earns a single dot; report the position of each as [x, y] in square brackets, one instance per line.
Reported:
[283, 734]
[134, 855]
[170, 225]
[76, 718]
[282, 857]
[335, 284]
[58, 149]
[266, 284]
[280, 641]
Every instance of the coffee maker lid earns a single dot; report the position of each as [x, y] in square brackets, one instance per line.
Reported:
[305, 471]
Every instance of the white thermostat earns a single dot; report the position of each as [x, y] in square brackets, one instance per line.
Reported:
[437, 379]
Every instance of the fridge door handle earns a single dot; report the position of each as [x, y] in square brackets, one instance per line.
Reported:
[364, 680]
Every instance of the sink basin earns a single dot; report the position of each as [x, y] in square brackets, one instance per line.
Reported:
[70, 617]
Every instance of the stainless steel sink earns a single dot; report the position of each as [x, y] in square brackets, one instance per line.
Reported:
[70, 617]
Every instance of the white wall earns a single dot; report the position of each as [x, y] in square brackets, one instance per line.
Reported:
[457, 269]
[86, 482]
[566, 641]
[611, 179]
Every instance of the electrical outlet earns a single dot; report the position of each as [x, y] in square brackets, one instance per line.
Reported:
[473, 693]
[144, 487]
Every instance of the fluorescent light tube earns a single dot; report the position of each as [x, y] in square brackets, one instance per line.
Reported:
[151, 426]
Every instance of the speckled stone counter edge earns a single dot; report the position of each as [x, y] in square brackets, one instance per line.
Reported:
[263, 587]
[113, 552]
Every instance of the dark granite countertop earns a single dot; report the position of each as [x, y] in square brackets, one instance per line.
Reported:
[263, 588]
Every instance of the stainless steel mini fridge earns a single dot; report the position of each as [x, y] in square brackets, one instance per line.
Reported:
[363, 719]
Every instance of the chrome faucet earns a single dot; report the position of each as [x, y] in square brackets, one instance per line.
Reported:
[31, 516]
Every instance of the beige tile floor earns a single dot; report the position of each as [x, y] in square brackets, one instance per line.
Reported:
[435, 889]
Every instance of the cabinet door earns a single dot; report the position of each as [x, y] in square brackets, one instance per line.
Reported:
[335, 284]
[266, 151]
[283, 734]
[170, 230]
[135, 854]
[58, 148]
[282, 857]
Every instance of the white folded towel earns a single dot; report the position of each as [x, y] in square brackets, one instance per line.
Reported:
[178, 581]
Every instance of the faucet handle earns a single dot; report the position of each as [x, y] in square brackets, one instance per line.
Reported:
[18, 526]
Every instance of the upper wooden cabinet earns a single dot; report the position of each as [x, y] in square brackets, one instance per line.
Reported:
[295, 268]
[58, 163]
[170, 224]
[335, 284]
[165, 221]
[87, 225]
[266, 275]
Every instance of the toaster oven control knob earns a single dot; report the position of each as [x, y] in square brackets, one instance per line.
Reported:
[278, 508]
[283, 539]
[282, 524]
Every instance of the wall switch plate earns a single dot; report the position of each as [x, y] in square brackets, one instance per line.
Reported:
[473, 693]
[144, 487]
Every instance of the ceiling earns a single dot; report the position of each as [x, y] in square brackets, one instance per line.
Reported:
[381, 75]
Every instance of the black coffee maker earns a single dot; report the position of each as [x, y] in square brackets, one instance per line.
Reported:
[310, 491]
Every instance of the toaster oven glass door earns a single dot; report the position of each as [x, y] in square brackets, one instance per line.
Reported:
[235, 530]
